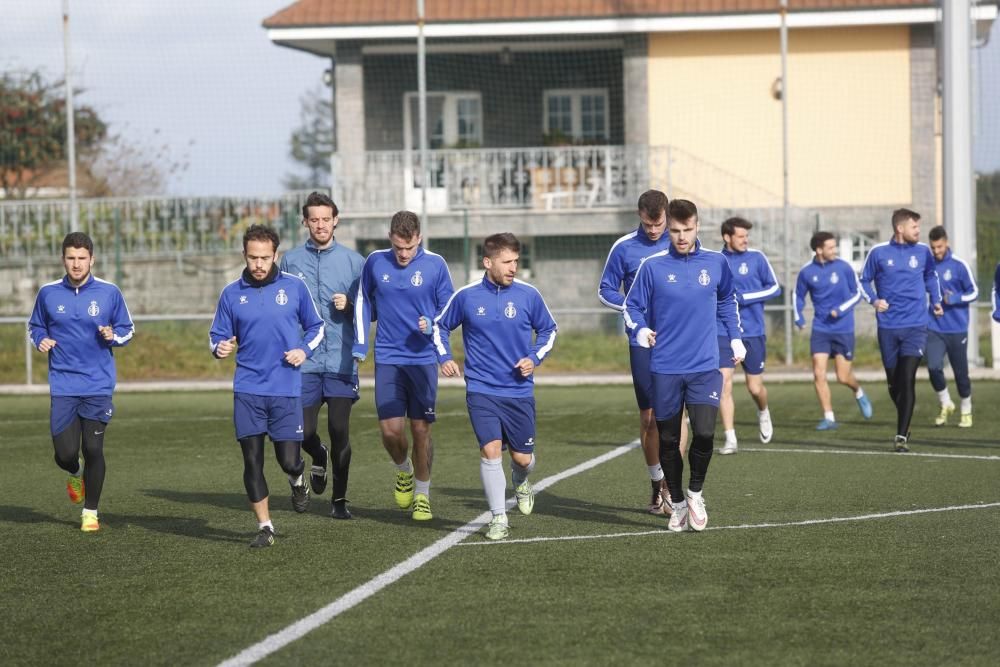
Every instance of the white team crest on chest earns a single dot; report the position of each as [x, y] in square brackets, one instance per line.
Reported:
[510, 312]
[60, 308]
[703, 278]
[947, 274]
[93, 309]
[243, 299]
[385, 277]
[480, 310]
[890, 263]
[913, 262]
[744, 269]
[281, 298]
[417, 280]
[834, 278]
[671, 277]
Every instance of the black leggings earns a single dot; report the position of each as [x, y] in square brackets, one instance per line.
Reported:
[703, 427]
[288, 455]
[338, 416]
[67, 446]
[902, 389]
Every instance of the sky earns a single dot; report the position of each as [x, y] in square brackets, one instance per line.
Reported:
[202, 76]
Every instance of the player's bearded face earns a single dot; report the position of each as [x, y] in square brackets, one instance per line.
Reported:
[503, 268]
[260, 256]
[683, 234]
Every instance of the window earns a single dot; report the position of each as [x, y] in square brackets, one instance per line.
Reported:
[454, 119]
[580, 115]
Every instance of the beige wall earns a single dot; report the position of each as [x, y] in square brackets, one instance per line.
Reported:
[849, 107]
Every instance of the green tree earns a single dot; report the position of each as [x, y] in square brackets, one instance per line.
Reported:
[33, 130]
[312, 142]
[987, 228]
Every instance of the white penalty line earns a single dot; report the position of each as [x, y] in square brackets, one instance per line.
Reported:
[897, 455]
[300, 628]
[745, 526]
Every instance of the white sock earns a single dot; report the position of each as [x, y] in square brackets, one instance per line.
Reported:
[296, 480]
[764, 414]
[87, 512]
[655, 472]
[967, 405]
[519, 473]
[261, 525]
[501, 515]
[859, 393]
[405, 466]
[494, 484]
[945, 398]
[422, 488]
[828, 415]
[731, 435]
[693, 494]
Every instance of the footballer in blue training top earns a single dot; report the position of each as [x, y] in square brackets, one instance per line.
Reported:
[78, 321]
[507, 331]
[402, 288]
[268, 318]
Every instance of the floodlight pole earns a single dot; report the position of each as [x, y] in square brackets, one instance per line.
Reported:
[959, 184]
[422, 106]
[784, 182]
[70, 129]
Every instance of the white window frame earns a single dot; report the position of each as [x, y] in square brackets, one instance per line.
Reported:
[576, 109]
[449, 115]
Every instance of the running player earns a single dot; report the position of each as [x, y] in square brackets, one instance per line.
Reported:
[403, 287]
[834, 289]
[500, 317]
[77, 322]
[264, 315]
[330, 376]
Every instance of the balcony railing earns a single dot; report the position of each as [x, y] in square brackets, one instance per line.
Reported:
[541, 178]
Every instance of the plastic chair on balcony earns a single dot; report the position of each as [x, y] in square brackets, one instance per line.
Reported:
[571, 195]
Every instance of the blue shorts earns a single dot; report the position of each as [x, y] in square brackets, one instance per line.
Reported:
[64, 409]
[278, 416]
[406, 391]
[642, 378]
[833, 344]
[896, 343]
[509, 420]
[672, 392]
[318, 386]
[756, 354]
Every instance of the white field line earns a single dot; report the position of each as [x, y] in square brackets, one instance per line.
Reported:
[300, 628]
[747, 526]
[930, 455]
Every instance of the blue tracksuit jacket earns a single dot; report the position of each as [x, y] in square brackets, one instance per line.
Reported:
[329, 271]
[681, 297]
[833, 286]
[623, 261]
[268, 319]
[995, 297]
[497, 328]
[958, 290]
[755, 283]
[397, 296]
[82, 363]
[902, 274]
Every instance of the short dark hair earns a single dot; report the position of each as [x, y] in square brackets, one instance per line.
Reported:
[318, 199]
[937, 233]
[901, 215]
[405, 225]
[820, 238]
[729, 226]
[498, 242]
[78, 240]
[260, 233]
[653, 203]
[681, 210]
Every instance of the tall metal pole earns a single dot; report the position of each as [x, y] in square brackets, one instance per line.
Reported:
[786, 223]
[70, 130]
[422, 105]
[959, 183]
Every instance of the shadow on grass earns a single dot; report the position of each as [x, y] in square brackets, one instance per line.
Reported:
[18, 514]
[235, 501]
[184, 527]
[398, 517]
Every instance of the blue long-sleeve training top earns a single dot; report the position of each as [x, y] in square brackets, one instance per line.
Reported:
[82, 363]
[958, 290]
[397, 296]
[268, 318]
[995, 297]
[754, 282]
[681, 297]
[498, 324]
[903, 275]
[833, 287]
[623, 261]
[328, 271]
